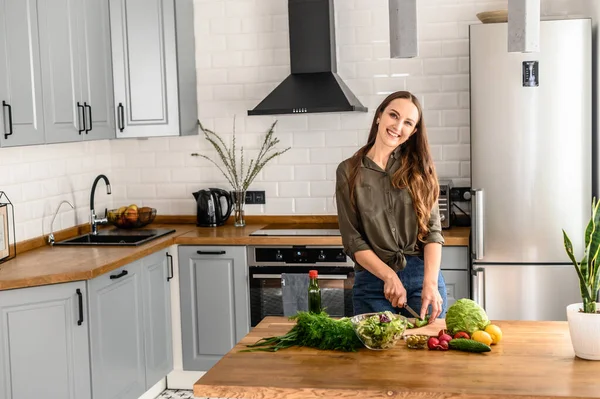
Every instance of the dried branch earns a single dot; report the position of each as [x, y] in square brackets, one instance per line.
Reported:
[239, 178]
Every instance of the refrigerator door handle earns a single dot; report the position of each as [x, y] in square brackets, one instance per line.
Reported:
[477, 223]
[478, 284]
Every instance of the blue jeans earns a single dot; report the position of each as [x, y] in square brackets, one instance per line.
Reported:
[367, 293]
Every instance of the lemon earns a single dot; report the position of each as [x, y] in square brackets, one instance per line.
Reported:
[495, 332]
[482, 336]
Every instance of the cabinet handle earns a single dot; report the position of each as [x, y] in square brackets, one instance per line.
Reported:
[116, 276]
[89, 107]
[80, 295]
[82, 117]
[10, 126]
[170, 257]
[121, 116]
[211, 252]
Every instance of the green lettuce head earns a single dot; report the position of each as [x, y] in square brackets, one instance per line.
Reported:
[466, 315]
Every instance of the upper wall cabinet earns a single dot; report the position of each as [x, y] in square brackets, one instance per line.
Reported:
[20, 74]
[55, 72]
[153, 56]
[76, 73]
[96, 70]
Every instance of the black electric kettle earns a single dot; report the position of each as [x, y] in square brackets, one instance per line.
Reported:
[211, 210]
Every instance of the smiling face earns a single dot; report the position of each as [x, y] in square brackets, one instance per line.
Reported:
[397, 123]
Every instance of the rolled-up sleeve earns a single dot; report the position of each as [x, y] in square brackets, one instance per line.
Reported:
[348, 220]
[435, 227]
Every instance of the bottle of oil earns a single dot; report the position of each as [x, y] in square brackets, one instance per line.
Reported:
[314, 292]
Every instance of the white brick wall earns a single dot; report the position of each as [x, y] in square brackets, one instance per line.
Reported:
[38, 178]
[242, 53]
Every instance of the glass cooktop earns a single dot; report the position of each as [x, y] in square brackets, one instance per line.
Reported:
[296, 232]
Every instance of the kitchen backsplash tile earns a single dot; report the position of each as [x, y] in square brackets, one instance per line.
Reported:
[316, 206]
[279, 206]
[293, 189]
[278, 173]
[309, 139]
[242, 52]
[309, 173]
[38, 178]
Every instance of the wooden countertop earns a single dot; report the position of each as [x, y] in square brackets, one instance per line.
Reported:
[534, 360]
[59, 264]
[229, 235]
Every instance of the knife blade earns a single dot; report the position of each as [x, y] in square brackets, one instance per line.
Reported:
[411, 311]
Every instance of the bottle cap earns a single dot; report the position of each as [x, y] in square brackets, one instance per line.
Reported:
[313, 274]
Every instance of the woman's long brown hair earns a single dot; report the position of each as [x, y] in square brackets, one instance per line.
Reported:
[417, 171]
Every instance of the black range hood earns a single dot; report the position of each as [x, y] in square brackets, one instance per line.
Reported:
[313, 85]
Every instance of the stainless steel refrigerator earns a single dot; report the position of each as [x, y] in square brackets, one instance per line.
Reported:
[531, 167]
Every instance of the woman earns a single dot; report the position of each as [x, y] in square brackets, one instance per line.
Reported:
[389, 219]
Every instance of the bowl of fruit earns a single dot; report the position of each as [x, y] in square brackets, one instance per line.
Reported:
[131, 217]
[379, 330]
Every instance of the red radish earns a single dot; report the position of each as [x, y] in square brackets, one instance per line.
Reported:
[433, 343]
[445, 337]
[443, 346]
[444, 331]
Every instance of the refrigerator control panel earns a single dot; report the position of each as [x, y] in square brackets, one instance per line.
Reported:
[531, 76]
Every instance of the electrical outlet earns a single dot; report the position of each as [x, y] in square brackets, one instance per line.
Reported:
[255, 197]
[259, 197]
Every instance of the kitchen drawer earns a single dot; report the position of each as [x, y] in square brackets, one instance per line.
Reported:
[455, 258]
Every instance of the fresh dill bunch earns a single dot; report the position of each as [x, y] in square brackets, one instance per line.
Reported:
[315, 330]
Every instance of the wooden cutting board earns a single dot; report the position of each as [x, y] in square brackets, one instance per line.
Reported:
[534, 360]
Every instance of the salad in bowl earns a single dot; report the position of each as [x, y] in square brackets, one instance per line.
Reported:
[380, 330]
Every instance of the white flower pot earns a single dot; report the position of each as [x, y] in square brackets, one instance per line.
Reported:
[585, 332]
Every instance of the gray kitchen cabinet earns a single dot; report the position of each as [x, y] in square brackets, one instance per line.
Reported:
[76, 70]
[156, 273]
[130, 328]
[116, 333]
[96, 70]
[22, 113]
[55, 71]
[153, 59]
[44, 348]
[457, 285]
[213, 284]
[455, 269]
[61, 84]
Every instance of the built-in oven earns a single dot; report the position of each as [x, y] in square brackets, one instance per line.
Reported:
[267, 264]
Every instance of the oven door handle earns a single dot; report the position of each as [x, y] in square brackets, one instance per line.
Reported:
[323, 277]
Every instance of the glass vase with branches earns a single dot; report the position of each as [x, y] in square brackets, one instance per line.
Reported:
[239, 172]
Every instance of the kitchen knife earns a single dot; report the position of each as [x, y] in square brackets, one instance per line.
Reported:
[411, 311]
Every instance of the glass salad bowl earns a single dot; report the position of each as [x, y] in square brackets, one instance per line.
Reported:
[380, 330]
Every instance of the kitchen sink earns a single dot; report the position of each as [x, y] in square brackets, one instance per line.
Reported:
[117, 237]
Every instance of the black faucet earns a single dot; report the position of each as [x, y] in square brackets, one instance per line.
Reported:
[93, 220]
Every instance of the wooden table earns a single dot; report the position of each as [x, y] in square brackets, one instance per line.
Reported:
[534, 360]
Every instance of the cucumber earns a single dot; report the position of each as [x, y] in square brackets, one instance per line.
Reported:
[468, 345]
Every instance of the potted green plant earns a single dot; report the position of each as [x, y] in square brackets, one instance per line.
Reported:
[240, 176]
[583, 318]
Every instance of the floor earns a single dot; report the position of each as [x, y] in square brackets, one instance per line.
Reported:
[178, 394]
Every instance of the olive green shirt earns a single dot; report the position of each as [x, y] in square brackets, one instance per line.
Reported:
[385, 220]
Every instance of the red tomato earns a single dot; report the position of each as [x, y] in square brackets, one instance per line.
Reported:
[462, 334]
